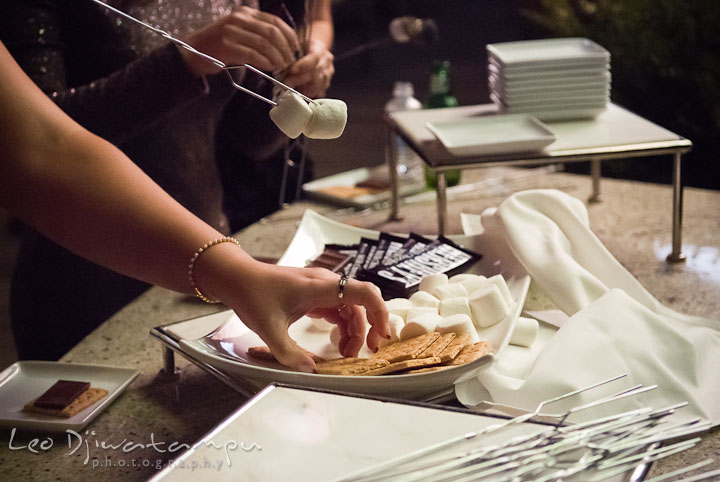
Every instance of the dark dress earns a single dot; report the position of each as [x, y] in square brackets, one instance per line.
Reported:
[132, 88]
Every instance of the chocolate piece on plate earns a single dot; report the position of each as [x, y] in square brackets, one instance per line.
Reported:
[61, 394]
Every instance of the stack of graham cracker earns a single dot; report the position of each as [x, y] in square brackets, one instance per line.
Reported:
[424, 353]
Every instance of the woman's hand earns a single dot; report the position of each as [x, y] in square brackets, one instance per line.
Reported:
[246, 36]
[312, 74]
[274, 297]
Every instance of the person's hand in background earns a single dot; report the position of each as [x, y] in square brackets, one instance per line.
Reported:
[313, 73]
[246, 36]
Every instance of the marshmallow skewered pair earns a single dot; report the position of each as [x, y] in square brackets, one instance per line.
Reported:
[319, 119]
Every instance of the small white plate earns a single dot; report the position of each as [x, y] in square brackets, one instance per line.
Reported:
[24, 381]
[496, 66]
[495, 134]
[228, 350]
[557, 103]
[559, 114]
[545, 74]
[315, 189]
[601, 79]
[557, 51]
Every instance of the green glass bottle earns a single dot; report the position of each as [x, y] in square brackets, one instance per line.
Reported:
[441, 96]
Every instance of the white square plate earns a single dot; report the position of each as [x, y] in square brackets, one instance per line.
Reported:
[557, 51]
[226, 350]
[317, 189]
[495, 134]
[24, 381]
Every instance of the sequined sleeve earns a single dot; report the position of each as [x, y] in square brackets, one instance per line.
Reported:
[68, 49]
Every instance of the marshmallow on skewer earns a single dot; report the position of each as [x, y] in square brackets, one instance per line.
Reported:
[488, 306]
[423, 298]
[396, 324]
[460, 324]
[420, 325]
[399, 306]
[526, 330]
[328, 119]
[455, 306]
[291, 114]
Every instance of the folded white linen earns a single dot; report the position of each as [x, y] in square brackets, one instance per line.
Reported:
[616, 325]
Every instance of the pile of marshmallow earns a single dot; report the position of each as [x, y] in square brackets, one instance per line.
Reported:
[320, 119]
[462, 304]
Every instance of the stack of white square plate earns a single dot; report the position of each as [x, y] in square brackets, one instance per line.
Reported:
[551, 79]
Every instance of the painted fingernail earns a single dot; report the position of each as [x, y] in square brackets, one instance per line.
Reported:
[388, 336]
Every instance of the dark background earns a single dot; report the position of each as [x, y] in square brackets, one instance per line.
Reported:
[665, 66]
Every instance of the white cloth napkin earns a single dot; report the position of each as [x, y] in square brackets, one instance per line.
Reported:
[616, 325]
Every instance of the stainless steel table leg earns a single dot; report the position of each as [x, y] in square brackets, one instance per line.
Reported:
[676, 255]
[596, 172]
[391, 161]
[441, 201]
[168, 361]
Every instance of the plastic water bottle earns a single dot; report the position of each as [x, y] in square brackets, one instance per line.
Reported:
[409, 165]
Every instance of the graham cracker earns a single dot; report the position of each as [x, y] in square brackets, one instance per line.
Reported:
[470, 353]
[407, 349]
[438, 346]
[454, 347]
[83, 401]
[403, 365]
[356, 367]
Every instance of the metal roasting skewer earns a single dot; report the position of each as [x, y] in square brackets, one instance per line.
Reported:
[414, 455]
[607, 446]
[213, 60]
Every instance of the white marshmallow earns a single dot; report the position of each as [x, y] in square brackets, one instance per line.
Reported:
[474, 283]
[335, 337]
[291, 114]
[396, 324]
[450, 291]
[499, 281]
[328, 119]
[423, 298]
[488, 306]
[460, 325]
[429, 283]
[399, 306]
[420, 325]
[459, 278]
[455, 306]
[416, 311]
[526, 330]
[321, 324]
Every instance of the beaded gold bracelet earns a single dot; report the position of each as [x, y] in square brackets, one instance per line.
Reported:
[205, 247]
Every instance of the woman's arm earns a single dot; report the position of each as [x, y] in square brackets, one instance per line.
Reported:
[86, 195]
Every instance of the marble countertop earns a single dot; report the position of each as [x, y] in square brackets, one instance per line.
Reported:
[160, 411]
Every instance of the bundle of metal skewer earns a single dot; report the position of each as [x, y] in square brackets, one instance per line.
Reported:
[599, 449]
